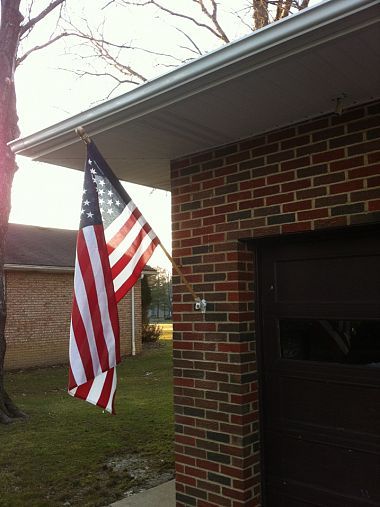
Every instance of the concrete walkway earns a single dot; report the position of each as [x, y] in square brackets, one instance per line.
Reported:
[162, 496]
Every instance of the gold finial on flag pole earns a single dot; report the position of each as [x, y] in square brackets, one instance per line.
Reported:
[83, 135]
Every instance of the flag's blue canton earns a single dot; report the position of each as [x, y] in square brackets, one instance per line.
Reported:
[89, 213]
[101, 203]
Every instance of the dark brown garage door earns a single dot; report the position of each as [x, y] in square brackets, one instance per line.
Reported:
[320, 341]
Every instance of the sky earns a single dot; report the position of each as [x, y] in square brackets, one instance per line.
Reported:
[49, 91]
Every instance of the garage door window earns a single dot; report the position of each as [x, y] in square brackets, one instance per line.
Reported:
[339, 341]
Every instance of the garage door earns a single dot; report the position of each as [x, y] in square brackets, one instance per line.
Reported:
[320, 349]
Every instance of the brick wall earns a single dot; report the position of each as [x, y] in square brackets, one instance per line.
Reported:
[321, 173]
[38, 321]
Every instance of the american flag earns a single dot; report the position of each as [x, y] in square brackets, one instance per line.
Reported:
[114, 243]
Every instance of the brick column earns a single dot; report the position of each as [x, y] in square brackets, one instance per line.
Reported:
[215, 379]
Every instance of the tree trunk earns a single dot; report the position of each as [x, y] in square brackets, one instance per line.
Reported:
[9, 39]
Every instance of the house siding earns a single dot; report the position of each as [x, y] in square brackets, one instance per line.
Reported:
[318, 174]
[38, 319]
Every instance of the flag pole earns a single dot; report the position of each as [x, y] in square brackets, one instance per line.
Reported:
[178, 269]
[200, 303]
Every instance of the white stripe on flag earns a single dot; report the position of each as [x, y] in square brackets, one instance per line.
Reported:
[84, 310]
[72, 391]
[97, 269]
[76, 364]
[128, 270]
[97, 388]
[113, 389]
[126, 243]
[119, 221]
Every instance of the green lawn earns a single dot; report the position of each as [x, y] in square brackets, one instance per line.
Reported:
[71, 453]
[167, 330]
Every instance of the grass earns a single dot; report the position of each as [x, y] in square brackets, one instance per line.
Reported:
[167, 330]
[71, 453]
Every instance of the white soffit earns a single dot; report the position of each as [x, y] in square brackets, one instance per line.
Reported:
[282, 74]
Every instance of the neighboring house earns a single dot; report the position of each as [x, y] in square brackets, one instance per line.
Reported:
[271, 149]
[39, 269]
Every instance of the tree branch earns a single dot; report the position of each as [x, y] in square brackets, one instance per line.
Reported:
[100, 48]
[197, 50]
[32, 22]
[260, 13]
[20, 59]
[177, 14]
[213, 16]
[96, 40]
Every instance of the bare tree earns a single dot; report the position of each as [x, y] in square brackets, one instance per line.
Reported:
[201, 25]
[14, 28]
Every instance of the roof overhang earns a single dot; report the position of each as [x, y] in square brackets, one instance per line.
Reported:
[284, 73]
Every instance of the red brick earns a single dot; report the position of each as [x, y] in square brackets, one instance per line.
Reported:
[319, 124]
[346, 187]
[279, 198]
[297, 206]
[184, 479]
[220, 501]
[374, 157]
[374, 182]
[328, 156]
[282, 134]
[263, 191]
[329, 178]
[347, 163]
[331, 222]
[312, 214]
[295, 164]
[363, 172]
[296, 227]
[295, 185]
[281, 177]
[180, 458]
[374, 205]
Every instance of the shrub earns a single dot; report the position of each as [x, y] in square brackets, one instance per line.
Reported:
[151, 333]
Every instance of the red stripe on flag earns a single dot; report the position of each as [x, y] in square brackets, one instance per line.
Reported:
[72, 382]
[124, 230]
[106, 391]
[129, 283]
[93, 303]
[81, 341]
[108, 283]
[127, 256]
[83, 390]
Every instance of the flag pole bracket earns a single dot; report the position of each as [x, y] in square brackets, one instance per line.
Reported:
[80, 132]
[200, 304]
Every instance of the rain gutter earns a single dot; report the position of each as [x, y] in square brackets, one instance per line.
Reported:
[43, 269]
[272, 43]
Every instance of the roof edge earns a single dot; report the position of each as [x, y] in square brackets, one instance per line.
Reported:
[33, 267]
